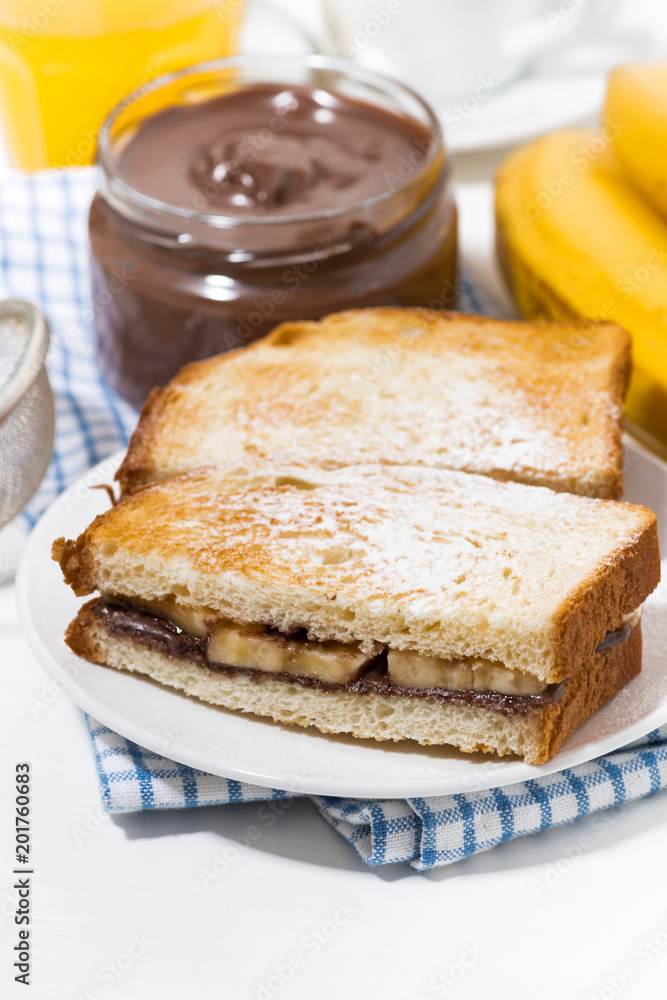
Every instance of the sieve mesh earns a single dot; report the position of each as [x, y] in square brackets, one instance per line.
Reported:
[26, 432]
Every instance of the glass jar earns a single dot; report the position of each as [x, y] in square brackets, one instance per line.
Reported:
[173, 283]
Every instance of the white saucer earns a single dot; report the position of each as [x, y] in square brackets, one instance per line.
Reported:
[298, 760]
[565, 87]
[522, 110]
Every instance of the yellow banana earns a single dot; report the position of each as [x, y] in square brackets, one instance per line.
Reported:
[574, 239]
[637, 100]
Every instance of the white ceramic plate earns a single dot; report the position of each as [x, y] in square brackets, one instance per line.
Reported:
[299, 760]
[522, 110]
[562, 88]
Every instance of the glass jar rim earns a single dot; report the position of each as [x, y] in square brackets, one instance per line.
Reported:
[344, 67]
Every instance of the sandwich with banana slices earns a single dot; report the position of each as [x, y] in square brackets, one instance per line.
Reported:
[388, 602]
[537, 403]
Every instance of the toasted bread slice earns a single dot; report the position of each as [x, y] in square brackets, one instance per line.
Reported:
[538, 403]
[442, 563]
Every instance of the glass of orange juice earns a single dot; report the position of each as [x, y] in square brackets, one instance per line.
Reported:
[64, 64]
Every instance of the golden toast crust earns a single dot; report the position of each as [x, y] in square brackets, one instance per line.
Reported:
[531, 402]
[441, 562]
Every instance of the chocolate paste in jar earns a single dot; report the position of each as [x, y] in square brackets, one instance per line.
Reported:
[280, 202]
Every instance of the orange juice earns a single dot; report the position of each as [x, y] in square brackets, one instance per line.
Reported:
[64, 64]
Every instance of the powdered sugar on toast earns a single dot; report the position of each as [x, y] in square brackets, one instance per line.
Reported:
[441, 562]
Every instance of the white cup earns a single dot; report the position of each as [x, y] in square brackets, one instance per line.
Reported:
[450, 48]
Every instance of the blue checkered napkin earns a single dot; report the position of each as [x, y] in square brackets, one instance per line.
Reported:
[43, 257]
[425, 833]
[133, 779]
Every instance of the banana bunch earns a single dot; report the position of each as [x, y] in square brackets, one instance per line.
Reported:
[581, 229]
[638, 95]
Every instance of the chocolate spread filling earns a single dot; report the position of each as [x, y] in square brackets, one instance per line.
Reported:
[121, 618]
[614, 638]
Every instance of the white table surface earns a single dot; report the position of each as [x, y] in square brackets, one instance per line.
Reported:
[131, 908]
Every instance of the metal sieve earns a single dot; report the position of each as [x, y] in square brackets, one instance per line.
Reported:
[27, 415]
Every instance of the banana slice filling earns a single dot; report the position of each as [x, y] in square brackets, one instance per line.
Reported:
[252, 646]
[194, 621]
[260, 648]
[407, 669]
